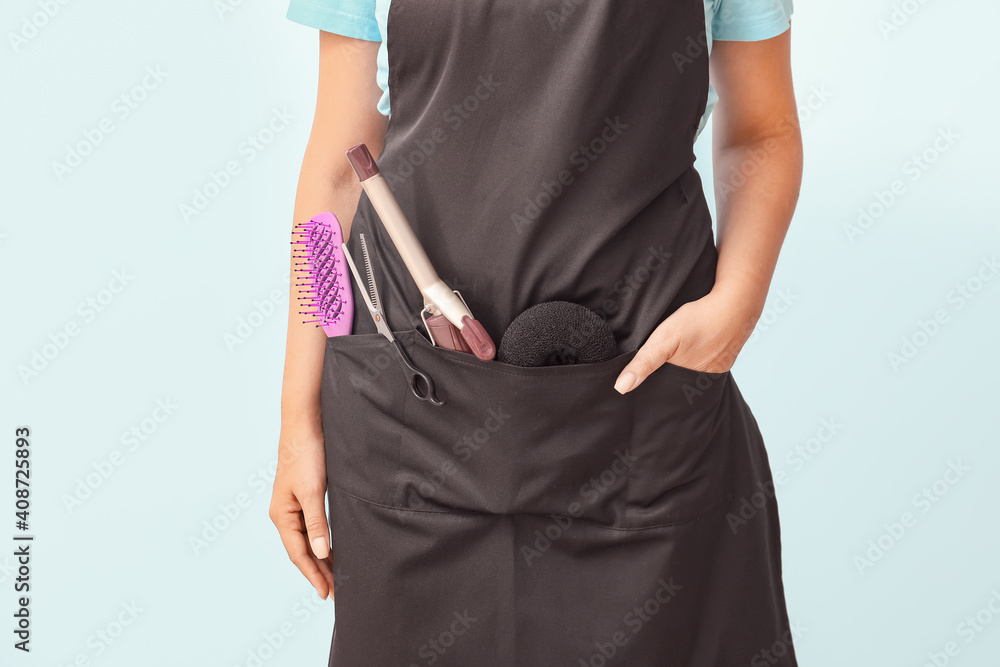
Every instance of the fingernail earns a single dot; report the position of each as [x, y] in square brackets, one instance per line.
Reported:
[319, 547]
[625, 382]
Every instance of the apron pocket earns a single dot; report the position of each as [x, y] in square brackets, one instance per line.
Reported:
[559, 441]
[683, 445]
[553, 441]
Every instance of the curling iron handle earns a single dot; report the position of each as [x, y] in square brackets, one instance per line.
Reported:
[402, 235]
[446, 335]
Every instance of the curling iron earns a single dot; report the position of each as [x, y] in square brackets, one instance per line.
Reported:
[440, 301]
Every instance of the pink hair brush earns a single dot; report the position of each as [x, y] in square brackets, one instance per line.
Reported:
[326, 285]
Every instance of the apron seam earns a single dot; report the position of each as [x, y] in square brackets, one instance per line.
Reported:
[627, 529]
[574, 370]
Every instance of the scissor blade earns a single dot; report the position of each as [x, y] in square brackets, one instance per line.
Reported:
[371, 276]
[374, 309]
[377, 314]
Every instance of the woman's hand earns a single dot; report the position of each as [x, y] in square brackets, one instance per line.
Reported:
[298, 507]
[704, 335]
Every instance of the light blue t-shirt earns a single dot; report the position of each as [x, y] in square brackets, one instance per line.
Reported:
[735, 20]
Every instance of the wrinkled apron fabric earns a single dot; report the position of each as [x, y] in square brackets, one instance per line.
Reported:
[542, 151]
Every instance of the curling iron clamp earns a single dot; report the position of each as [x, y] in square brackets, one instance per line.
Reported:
[446, 317]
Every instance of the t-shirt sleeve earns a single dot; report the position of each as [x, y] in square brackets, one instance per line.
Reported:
[750, 20]
[351, 18]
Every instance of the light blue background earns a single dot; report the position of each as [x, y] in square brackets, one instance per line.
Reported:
[868, 103]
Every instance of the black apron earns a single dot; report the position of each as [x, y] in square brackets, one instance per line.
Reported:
[543, 150]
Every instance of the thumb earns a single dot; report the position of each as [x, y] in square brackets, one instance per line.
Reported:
[314, 517]
[647, 359]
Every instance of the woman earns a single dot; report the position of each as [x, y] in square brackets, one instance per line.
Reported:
[618, 512]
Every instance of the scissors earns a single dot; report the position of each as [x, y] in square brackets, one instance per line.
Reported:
[420, 383]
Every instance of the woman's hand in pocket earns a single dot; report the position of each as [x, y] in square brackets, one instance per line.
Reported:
[298, 505]
[702, 335]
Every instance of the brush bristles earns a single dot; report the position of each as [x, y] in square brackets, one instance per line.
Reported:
[315, 245]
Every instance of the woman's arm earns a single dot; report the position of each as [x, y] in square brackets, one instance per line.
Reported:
[345, 115]
[757, 155]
